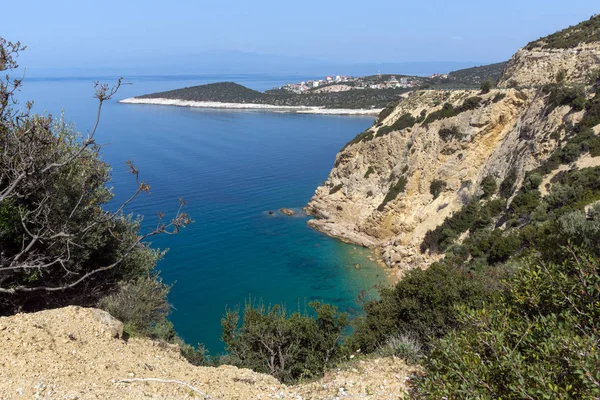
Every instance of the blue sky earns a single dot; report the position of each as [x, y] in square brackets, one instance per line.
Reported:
[130, 33]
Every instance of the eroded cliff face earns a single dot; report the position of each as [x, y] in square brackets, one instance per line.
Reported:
[540, 66]
[510, 130]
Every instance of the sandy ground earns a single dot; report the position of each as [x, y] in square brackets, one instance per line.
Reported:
[77, 353]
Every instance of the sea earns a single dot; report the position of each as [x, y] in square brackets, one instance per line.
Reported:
[235, 170]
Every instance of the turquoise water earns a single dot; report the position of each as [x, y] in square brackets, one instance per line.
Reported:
[231, 167]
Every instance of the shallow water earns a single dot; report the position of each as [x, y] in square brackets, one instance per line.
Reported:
[231, 167]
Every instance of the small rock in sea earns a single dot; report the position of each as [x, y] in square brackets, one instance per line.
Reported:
[287, 211]
[270, 212]
[357, 266]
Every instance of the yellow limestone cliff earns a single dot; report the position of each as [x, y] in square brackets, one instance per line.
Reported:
[510, 130]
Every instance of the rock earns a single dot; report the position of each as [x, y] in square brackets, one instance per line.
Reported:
[287, 211]
[270, 212]
[491, 144]
[113, 326]
[357, 266]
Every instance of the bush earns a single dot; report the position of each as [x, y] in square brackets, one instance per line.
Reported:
[336, 189]
[404, 346]
[141, 305]
[563, 95]
[394, 191]
[446, 233]
[361, 137]
[286, 347]
[539, 341]
[507, 187]
[504, 247]
[369, 172]
[384, 130]
[449, 111]
[498, 97]
[436, 187]
[403, 122]
[488, 186]
[386, 112]
[422, 305]
[453, 132]
[486, 86]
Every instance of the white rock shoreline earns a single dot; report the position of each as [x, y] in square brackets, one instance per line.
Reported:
[249, 106]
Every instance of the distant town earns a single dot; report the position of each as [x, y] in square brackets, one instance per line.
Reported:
[341, 83]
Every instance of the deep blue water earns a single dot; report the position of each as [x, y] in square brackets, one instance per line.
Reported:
[231, 167]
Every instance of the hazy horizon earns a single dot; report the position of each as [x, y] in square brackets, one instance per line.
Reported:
[269, 37]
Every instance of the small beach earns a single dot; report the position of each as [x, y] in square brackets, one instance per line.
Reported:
[251, 106]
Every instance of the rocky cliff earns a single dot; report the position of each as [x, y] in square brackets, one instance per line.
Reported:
[80, 353]
[536, 66]
[426, 157]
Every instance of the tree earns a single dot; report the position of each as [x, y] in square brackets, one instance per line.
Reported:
[287, 347]
[58, 244]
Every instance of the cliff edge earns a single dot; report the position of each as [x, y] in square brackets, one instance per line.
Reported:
[426, 156]
[79, 353]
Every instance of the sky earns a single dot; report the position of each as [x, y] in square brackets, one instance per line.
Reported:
[150, 33]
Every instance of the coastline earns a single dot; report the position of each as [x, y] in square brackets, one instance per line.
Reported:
[250, 106]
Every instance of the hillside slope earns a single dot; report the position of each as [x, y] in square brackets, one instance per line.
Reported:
[78, 353]
[426, 157]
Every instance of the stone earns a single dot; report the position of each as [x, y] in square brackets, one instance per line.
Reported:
[288, 212]
[111, 325]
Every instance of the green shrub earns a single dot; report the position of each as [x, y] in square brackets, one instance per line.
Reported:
[525, 202]
[369, 172]
[446, 233]
[384, 130]
[287, 347]
[403, 122]
[560, 94]
[361, 137]
[498, 97]
[453, 132]
[394, 191]
[486, 86]
[539, 341]
[470, 103]
[336, 189]
[404, 346]
[386, 112]
[507, 187]
[423, 305]
[488, 186]
[436, 187]
[449, 111]
[503, 247]
[141, 305]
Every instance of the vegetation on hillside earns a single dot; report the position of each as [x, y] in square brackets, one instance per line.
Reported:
[229, 92]
[584, 32]
[476, 76]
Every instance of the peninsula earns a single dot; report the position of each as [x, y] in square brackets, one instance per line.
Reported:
[367, 95]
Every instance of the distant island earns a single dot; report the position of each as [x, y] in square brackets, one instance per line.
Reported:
[331, 95]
